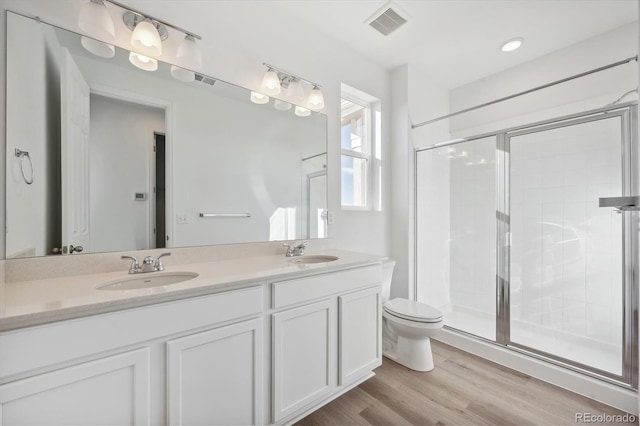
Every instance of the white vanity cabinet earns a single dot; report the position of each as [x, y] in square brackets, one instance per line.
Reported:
[326, 338]
[215, 377]
[191, 361]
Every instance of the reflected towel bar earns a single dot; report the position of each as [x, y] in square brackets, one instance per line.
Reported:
[225, 214]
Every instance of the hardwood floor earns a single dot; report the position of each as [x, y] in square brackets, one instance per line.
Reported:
[463, 389]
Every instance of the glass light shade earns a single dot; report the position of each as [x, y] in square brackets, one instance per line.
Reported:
[145, 39]
[98, 48]
[182, 74]
[271, 83]
[302, 112]
[316, 99]
[259, 98]
[94, 19]
[281, 105]
[295, 92]
[189, 54]
[143, 62]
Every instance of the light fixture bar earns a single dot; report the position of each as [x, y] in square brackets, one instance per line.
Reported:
[279, 70]
[182, 30]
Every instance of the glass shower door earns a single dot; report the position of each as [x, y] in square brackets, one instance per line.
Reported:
[566, 282]
[456, 233]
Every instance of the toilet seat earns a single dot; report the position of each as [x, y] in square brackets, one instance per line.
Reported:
[413, 311]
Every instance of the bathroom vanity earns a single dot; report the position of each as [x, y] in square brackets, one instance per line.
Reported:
[249, 341]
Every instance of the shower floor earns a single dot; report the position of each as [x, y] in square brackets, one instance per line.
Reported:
[601, 355]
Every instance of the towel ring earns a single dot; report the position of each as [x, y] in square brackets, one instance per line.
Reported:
[21, 155]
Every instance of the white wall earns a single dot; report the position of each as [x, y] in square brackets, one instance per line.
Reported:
[592, 91]
[238, 44]
[120, 166]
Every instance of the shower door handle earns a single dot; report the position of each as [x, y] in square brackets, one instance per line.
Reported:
[629, 203]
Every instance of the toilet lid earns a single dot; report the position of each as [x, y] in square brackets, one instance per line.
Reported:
[412, 310]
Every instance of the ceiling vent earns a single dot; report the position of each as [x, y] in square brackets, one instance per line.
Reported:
[387, 19]
[204, 79]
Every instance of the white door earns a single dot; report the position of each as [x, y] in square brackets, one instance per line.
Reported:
[360, 334]
[109, 391]
[215, 377]
[304, 356]
[75, 120]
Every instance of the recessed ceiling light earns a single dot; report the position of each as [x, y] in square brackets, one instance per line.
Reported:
[512, 44]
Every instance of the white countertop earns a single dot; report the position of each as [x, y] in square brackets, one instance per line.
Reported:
[29, 303]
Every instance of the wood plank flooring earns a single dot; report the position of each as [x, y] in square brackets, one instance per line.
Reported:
[463, 389]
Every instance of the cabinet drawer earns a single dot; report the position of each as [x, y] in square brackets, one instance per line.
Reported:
[285, 293]
[46, 345]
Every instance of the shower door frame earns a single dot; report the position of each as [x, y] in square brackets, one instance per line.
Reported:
[630, 227]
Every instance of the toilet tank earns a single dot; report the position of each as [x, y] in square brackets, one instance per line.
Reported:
[387, 275]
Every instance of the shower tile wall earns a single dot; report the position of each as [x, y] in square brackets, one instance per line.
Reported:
[565, 276]
[473, 228]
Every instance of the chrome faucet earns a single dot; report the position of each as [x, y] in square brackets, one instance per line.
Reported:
[148, 264]
[295, 250]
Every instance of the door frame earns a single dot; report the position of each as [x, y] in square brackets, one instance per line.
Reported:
[167, 106]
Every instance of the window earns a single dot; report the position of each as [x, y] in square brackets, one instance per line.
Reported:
[359, 139]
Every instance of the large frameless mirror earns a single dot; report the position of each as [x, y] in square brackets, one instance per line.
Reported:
[108, 157]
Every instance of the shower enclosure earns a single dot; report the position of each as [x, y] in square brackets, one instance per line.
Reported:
[512, 246]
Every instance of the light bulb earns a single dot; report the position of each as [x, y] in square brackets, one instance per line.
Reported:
[316, 99]
[271, 83]
[143, 62]
[189, 54]
[259, 98]
[94, 19]
[146, 38]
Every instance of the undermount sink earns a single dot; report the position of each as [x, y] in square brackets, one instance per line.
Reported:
[313, 258]
[148, 280]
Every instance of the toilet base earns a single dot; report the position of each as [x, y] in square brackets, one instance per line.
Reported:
[415, 353]
[412, 353]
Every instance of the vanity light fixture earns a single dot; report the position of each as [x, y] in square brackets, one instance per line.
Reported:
[295, 92]
[512, 44]
[259, 98]
[271, 82]
[281, 105]
[98, 48]
[143, 62]
[189, 53]
[275, 79]
[94, 19]
[147, 35]
[302, 112]
[316, 99]
[181, 74]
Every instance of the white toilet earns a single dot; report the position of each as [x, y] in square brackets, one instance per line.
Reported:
[407, 327]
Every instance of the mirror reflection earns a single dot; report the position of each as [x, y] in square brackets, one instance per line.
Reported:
[102, 156]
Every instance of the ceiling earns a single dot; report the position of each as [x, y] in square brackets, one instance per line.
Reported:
[457, 41]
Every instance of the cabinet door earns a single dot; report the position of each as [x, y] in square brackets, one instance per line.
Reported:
[304, 356]
[215, 377]
[110, 391]
[360, 333]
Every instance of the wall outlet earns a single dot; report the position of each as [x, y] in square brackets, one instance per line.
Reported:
[182, 219]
